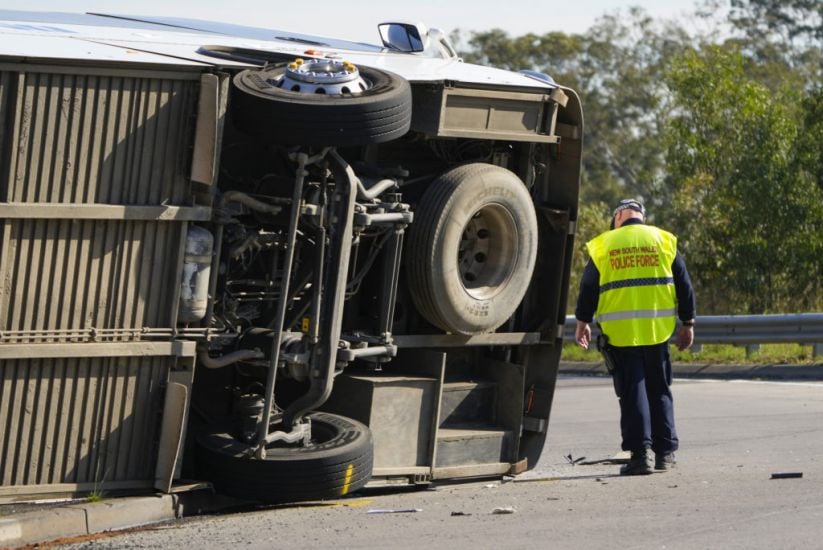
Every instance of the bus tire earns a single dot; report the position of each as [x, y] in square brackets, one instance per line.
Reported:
[378, 114]
[472, 248]
[339, 462]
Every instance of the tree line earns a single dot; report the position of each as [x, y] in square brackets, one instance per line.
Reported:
[716, 122]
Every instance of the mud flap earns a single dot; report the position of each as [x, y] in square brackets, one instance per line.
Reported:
[171, 435]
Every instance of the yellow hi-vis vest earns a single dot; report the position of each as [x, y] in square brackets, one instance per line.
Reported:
[637, 298]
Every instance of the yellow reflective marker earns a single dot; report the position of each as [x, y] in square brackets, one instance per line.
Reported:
[347, 481]
[304, 324]
[356, 503]
[347, 503]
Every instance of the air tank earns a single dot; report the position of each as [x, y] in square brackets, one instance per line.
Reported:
[194, 285]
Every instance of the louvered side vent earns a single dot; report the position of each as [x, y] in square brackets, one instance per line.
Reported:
[87, 421]
[90, 158]
[90, 140]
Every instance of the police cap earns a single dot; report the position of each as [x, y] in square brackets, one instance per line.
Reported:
[633, 204]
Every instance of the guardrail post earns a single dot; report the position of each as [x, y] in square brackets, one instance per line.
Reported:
[696, 348]
[817, 350]
[752, 348]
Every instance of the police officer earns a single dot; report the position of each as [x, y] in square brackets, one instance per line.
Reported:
[637, 285]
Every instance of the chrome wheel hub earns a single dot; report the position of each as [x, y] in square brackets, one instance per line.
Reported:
[322, 76]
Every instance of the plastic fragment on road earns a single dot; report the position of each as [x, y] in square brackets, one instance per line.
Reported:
[620, 458]
[504, 510]
[786, 475]
[542, 479]
[460, 514]
[401, 511]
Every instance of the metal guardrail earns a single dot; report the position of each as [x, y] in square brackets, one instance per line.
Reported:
[747, 330]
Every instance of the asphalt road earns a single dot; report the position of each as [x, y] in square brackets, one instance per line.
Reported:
[734, 435]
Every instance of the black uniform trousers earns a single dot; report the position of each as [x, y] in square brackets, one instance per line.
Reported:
[642, 380]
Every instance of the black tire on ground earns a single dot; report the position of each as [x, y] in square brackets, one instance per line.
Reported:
[379, 114]
[472, 248]
[339, 463]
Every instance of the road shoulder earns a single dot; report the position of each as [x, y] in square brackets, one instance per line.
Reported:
[36, 524]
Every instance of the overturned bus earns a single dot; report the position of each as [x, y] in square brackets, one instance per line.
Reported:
[286, 265]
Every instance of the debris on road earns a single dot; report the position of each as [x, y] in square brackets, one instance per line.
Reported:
[543, 479]
[401, 511]
[460, 514]
[574, 461]
[504, 510]
[786, 475]
[620, 458]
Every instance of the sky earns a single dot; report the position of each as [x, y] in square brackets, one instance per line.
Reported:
[358, 20]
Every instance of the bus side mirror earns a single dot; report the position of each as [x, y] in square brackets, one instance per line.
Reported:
[403, 37]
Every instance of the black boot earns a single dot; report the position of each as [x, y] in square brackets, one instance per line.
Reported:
[640, 464]
[664, 461]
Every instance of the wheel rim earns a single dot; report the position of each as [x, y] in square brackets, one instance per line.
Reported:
[323, 77]
[321, 434]
[488, 251]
